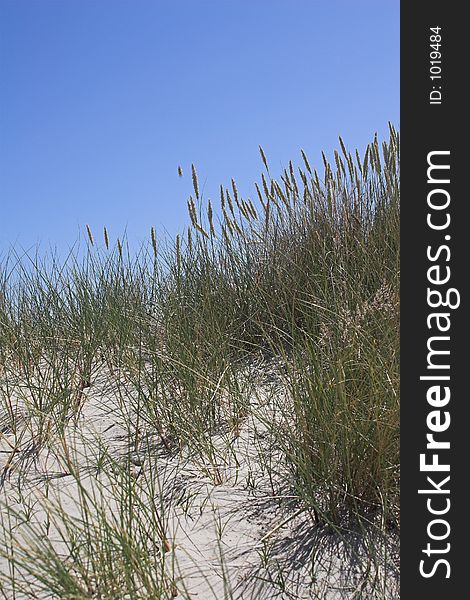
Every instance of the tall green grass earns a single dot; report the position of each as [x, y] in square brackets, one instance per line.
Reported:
[298, 286]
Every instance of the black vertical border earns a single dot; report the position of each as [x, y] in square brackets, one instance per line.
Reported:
[425, 128]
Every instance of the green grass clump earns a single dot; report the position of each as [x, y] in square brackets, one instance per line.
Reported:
[310, 276]
[291, 298]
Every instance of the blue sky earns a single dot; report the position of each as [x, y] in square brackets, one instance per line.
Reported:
[101, 100]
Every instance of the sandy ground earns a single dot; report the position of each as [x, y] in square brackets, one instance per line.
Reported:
[243, 538]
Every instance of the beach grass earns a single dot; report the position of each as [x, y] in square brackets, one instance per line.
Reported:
[278, 313]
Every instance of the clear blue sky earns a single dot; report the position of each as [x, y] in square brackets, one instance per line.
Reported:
[101, 100]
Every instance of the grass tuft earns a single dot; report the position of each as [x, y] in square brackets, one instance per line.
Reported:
[281, 311]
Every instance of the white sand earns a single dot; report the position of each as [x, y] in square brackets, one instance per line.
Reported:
[268, 549]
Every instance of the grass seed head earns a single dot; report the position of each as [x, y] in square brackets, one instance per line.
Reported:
[210, 216]
[265, 186]
[178, 253]
[229, 202]
[305, 159]
[90, 236]
[222, 198]
[263, 157]
[235, 191]
[195, 181]
[154, 240]
[192, 211]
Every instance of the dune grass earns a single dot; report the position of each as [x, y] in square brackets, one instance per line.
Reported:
[290, 298]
